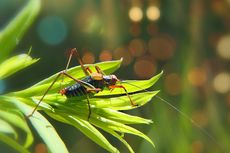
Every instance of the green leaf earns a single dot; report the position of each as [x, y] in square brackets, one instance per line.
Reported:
[44, 128]
[119, 137]
[121, 117]
[123, 102]
[119, 127]
[14, 64]
[86, 128]
[39, 88]
[12, 34]
[17, 120]
[11, 142]
[7, 128]
[77, 72]
[132, 86]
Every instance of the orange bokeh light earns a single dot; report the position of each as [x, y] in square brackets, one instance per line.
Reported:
[122, 52]
[145, 67]
[162, 47]
[173, 84]
[137, 47]
[105, 55]
[197, 76]
[88, 58]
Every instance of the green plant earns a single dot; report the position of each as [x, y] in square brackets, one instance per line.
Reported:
[106, 105]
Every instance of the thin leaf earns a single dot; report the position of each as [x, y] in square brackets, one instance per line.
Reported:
[12, 34]
[39, 88]
[7, 128]
[16, 120]
[12, 143]
[132, 86]
[86, 128]
[119, 137]
[121, 117]
[119, 127]
[77, 72]
[14, 64]
[44, 129]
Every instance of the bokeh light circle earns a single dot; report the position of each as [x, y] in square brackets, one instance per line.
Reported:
[162, 47]
[135, 14]
[172, 84]
[197, 76]
[153, 13]
[52, 30]
[105, 55]
[137, 47]
[144, 67]
[223, 47]
[122, 52]
[88, 57]
[221, 82]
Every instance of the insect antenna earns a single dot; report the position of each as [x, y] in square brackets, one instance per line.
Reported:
[205, 132]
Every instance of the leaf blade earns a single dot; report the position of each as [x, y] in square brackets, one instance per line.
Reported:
[14, 31]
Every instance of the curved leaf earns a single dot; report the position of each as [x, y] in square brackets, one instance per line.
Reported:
[11, 35]
[39, 88]
[16, 120]
[11, 142]
[14, 64]
[44, 128]
[86, 128]
[132, 86]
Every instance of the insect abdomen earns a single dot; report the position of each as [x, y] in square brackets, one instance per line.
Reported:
[79, 90]
[75, 90]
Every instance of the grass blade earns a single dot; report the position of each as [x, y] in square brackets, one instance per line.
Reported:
[44, 129]
[14, 64]
[12, 34]
[12, 143]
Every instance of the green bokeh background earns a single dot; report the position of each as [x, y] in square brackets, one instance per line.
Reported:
[188, 34]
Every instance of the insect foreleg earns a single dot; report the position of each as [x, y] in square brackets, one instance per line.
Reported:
[120, 86]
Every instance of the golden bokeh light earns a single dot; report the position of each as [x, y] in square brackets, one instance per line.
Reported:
[137, 47]
[153, 13]
[144, 67]
[105, 55]
[135, 14]
[88, 58]
[197, 76]
[122, 52]
[173, 84]
[223, 47]
[221, 82]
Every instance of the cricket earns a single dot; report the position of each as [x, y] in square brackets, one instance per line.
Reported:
[93, 83]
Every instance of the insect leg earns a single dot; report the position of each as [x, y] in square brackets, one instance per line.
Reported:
[35, 108]
[86, 85]
[120, 86]
[75, 52]
[99, 70]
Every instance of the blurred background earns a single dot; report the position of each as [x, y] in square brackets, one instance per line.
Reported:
[188, 40]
